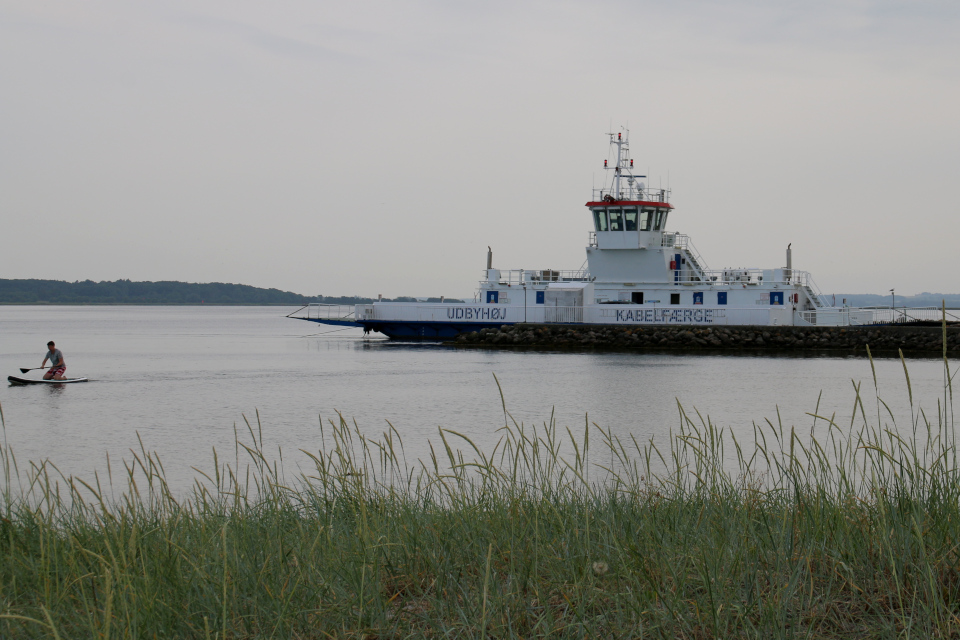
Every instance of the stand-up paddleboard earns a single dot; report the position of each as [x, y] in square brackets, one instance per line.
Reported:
[19, 380]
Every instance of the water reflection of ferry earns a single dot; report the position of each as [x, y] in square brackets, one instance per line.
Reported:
[636, 272]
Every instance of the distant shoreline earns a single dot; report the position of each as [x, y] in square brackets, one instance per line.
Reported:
[165, 293]
[150, 304]
[88, 292]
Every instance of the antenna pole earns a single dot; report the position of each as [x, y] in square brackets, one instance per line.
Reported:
[623, 167]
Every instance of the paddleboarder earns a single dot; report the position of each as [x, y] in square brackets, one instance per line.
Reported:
[58, 365]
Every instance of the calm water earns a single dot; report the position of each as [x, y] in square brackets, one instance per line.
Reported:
[182, 377]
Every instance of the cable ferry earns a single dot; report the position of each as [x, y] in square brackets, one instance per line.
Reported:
[636, 272]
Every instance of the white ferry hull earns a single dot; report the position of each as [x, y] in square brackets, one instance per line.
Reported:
[445, 321]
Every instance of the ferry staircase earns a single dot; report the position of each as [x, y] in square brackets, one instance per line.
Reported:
[813, 295]
[695, 261]
[697, 266]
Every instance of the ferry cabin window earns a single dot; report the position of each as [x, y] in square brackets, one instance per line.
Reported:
[616, 220]
[674, 298]
[600, 217]
[660, 220]
[645, 217]
[630, 218]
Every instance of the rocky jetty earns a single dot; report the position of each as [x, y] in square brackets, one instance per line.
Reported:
[881, 339]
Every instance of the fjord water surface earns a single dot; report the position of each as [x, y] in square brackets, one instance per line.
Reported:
[183, 377]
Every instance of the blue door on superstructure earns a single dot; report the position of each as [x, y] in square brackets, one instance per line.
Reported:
[776, 297]
[493, 297]
[540, 297]
[721, 297]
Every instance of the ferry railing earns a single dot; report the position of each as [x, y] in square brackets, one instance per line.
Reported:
[867, 316]
[321, 311]
[739, 275]
[632, 193]
[908, 315]
[678, 240]
[518, 277]
[835, 317]
[562, 315]
[683, 241]
[753, 275]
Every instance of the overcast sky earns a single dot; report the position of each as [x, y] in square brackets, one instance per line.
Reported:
[379, 147]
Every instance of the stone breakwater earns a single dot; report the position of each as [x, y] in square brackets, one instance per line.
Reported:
[926, 340]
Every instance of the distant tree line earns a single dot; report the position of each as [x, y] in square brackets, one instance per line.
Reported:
[165, 292]
[129, 292]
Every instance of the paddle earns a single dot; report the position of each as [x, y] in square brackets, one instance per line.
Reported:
[22, 370]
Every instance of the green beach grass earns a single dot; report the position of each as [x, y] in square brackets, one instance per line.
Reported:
[844, 530]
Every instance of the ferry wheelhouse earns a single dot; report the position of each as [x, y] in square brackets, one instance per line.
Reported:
[636, 272]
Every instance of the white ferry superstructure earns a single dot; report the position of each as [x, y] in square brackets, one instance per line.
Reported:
[636, 273]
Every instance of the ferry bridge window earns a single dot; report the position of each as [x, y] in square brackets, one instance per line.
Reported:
[630, 218]
[616, 220]
[600, 218]
[645, 218]
[661, 219]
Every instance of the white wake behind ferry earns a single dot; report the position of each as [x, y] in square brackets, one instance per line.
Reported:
[636, 273]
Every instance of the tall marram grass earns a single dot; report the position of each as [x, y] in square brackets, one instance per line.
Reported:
[850, 530]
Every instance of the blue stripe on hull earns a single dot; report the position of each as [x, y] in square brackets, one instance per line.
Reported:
[427, 330]
[414, 330]
[338, 323]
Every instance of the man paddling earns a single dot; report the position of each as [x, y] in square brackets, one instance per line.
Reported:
[57, 364]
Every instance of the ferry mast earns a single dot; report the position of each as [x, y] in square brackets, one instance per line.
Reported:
[622, 169]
